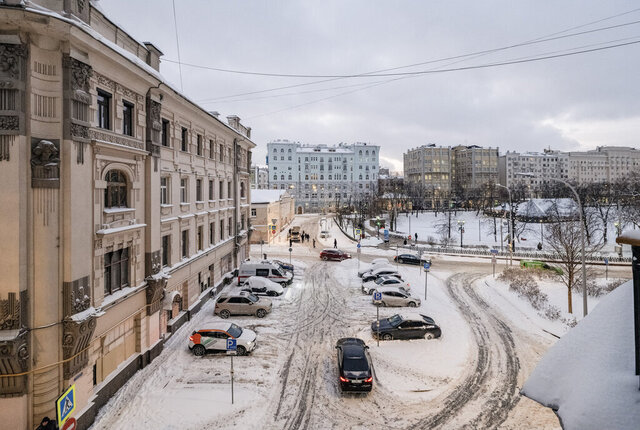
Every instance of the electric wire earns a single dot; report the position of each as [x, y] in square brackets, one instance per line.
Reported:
[175, 26]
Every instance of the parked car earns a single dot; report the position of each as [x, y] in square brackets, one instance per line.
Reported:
[284, 265]
[354, 367]
[380, 271]
[324, 234]
[266, 269]
[410, 259]
[406, 327]
[262, 286]
[534, 264]
[334, 254]
[384, 281]
[214, 338]
[378, 262]
[392, 296]
[242, 303]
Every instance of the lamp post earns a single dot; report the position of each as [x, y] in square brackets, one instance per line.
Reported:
[582, 235]
[510, 224]
[461, 228]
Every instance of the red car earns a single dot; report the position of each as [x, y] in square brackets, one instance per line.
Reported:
[334, 254]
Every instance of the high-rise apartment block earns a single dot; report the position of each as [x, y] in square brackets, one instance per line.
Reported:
[321, 176]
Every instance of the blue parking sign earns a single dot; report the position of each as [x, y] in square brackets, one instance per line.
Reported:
[426, 266]
[231, 345]
[377, 296]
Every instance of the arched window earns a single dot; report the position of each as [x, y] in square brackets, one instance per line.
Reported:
[282, 177]
[306, 177]
[366, 152]
[360, 152]
[373, 152]
[275, 150]
[322, 177]
[360, 178]
[115, 195]
[289, 177]
[329, 177]
[281, 149]
[289, 151]
[275, 177]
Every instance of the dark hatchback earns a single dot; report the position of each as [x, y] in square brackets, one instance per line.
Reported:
[399, 327]
[354, 367]
[410, 259]
[334, 254]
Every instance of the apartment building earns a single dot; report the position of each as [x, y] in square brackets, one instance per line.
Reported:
[549, 164]
[123, 202]
[604, 164]
[321, 176]
[259, 178]
[474, 166]
[270, 208]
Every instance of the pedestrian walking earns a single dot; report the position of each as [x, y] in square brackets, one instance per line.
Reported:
[335, 243]
[314, 243]
[416, 236]
[47, 424]
[307, 237]
[290, 243]
[405, 242]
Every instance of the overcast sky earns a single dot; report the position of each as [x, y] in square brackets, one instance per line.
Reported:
[572, 103]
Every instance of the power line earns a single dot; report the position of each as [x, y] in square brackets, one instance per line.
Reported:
[378, 74]
[175, 26]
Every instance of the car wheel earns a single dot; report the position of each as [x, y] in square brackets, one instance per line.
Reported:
[383, 304]
[261, 313]
[412, 304]
[272, 293]
[324, 258]
[284, 284]
[199, 350]
[241, 350]
[387, 336]
[400, 260]
[429, 336]
[225, 314]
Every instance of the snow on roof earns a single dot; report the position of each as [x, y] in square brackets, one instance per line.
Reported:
[266, 196]
[629, 237]
[588, 375]
[542, 208]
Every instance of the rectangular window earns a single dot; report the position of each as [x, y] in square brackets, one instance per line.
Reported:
[212, 233]
[127, 118]
[165, 132]
[221, 190]
[229, 225]
[210, 190]
[104, 110]
[212, 149]
[184, 146]
[221, 155]
[253, 212]
[165, 250]
[184, 197]
[200, 239]
[164, 191]
[229, 189]
[199, 190]
[221, 229]
[116, 270]
[185, 243]
[199, 147]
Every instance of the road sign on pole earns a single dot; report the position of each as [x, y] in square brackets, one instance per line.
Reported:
[358, 232]
[65, 405]
[377, 296]
[427, 265]
[232, 347]
[494, 251]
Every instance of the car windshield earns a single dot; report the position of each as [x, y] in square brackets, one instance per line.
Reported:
[379, 281]
[234, 330]
[253, 297]
[355, 364]
[395, 320]
[278, 272]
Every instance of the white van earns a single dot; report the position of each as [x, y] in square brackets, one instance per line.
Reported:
[265, 269]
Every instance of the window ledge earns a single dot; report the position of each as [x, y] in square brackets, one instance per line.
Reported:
[118, 210]
[200, 202]
[164, 205]
[184, 204]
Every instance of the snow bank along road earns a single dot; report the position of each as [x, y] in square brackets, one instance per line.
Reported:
[290, 380]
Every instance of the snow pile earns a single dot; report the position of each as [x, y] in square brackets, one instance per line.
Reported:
[588, 375]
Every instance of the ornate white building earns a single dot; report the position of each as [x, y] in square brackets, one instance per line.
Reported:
[319, 176]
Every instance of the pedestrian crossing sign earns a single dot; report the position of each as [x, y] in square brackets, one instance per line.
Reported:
[65, 405]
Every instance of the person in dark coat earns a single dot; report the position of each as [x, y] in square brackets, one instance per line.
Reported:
[314, 243]
[335, 243]
[405, 242]
[47, 424]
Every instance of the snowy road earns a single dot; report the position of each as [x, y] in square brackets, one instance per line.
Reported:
[470, 378]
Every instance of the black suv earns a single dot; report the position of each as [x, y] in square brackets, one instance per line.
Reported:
[399, 327]
[354, 367]
[411, 259]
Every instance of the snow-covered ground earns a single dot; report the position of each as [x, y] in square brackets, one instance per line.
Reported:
[492, 339]
[479, 230]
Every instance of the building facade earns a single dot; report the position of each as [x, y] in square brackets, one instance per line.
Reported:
[259, 178]
[320, 176]
[549, 164]
[127, 203]
[270, 208]
[474, 166]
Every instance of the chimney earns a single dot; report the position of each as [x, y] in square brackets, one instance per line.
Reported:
[234, 122]
[153, 55]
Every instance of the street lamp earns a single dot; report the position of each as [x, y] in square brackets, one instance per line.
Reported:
[461, 228]
[510, 224]
[582, 234]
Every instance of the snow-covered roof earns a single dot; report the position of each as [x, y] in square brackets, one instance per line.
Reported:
[266, 196]
[588, 375]
[630, 237]
[543, 208]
